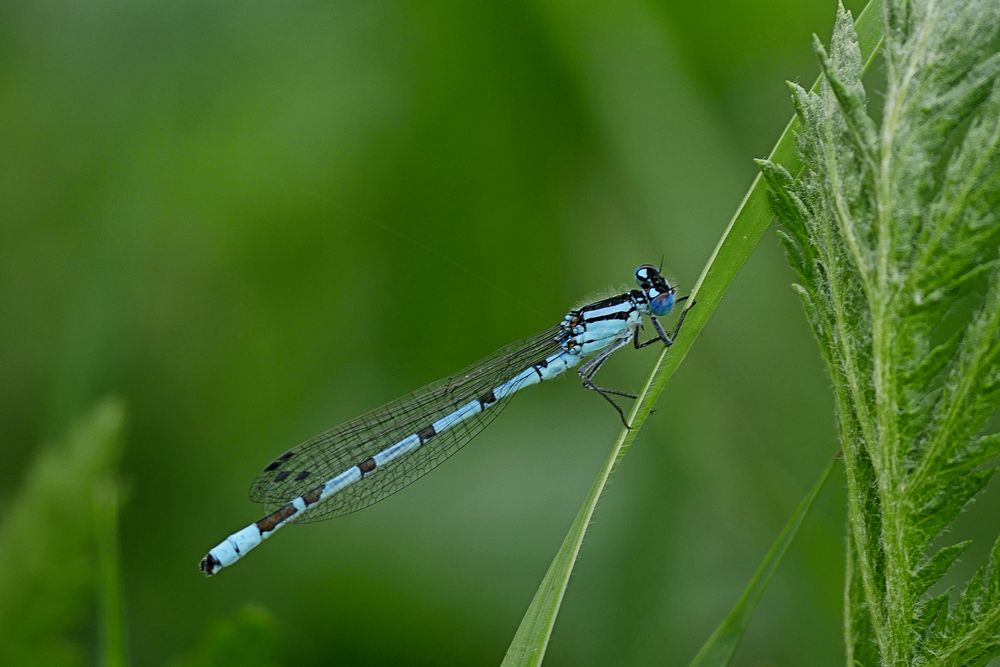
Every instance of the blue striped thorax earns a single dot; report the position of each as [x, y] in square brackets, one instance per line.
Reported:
[595, 325]
[591, 327]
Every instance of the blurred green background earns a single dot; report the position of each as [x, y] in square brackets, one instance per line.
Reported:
[252, 221]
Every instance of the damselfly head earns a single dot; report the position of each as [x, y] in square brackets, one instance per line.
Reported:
[659, 293]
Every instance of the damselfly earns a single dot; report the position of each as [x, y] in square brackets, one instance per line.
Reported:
[368, 458]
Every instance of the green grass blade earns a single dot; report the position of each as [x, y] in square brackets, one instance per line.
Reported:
[107, 498]
[745, 230]
[719, 648]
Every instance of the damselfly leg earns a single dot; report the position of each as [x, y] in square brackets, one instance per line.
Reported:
[590, 368]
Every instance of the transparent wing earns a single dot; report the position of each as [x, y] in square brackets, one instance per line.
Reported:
[303, 468]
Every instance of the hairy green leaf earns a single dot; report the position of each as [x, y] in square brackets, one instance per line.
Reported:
[893, 231]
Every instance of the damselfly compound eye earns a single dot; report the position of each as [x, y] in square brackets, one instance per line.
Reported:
[646, 274]
[662, 304]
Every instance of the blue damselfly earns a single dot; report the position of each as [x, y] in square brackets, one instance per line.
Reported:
[371, 457]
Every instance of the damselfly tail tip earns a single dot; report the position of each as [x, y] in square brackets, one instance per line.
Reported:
[209, 565]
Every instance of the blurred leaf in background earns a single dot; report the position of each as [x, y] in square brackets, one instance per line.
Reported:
[48, 545]
[248, 637]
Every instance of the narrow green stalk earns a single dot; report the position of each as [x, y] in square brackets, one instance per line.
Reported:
[745, 229]
[109, 588]
[721, 646]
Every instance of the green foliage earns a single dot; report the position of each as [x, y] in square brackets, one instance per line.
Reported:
[248, 637]
[48, 538]
[60, 561]
[179, 198]
[893, 232]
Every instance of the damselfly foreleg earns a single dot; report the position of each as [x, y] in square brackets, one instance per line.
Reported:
[661, 333]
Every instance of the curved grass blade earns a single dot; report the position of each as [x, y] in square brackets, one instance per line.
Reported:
[719, 648]
[751, 220]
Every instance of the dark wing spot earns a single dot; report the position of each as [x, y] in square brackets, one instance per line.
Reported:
[302, 475]
[274, 465]
[367, 465]
[280, 477]
[487, 398]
